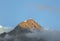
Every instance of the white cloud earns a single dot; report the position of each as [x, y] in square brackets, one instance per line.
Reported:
[5, 29]
[0, 26]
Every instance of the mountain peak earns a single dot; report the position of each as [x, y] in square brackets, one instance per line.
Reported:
[30, 23]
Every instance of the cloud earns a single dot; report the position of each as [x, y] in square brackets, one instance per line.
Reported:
[0, 26]
[5, 29]
[47, 35]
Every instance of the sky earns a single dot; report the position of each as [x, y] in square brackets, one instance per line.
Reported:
[45, 12]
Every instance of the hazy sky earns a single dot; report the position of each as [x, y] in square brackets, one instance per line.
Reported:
[45, 12]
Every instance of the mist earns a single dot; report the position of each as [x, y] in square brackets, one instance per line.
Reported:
[47, 35]
[34, 35]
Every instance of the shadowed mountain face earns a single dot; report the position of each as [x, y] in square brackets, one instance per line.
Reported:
[18, 30]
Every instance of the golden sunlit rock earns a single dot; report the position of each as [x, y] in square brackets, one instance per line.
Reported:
[30, 24]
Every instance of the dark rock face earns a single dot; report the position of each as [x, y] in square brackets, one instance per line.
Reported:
[3, 34]
[18, 30]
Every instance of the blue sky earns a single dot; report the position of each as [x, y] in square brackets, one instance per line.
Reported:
[45, 12]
